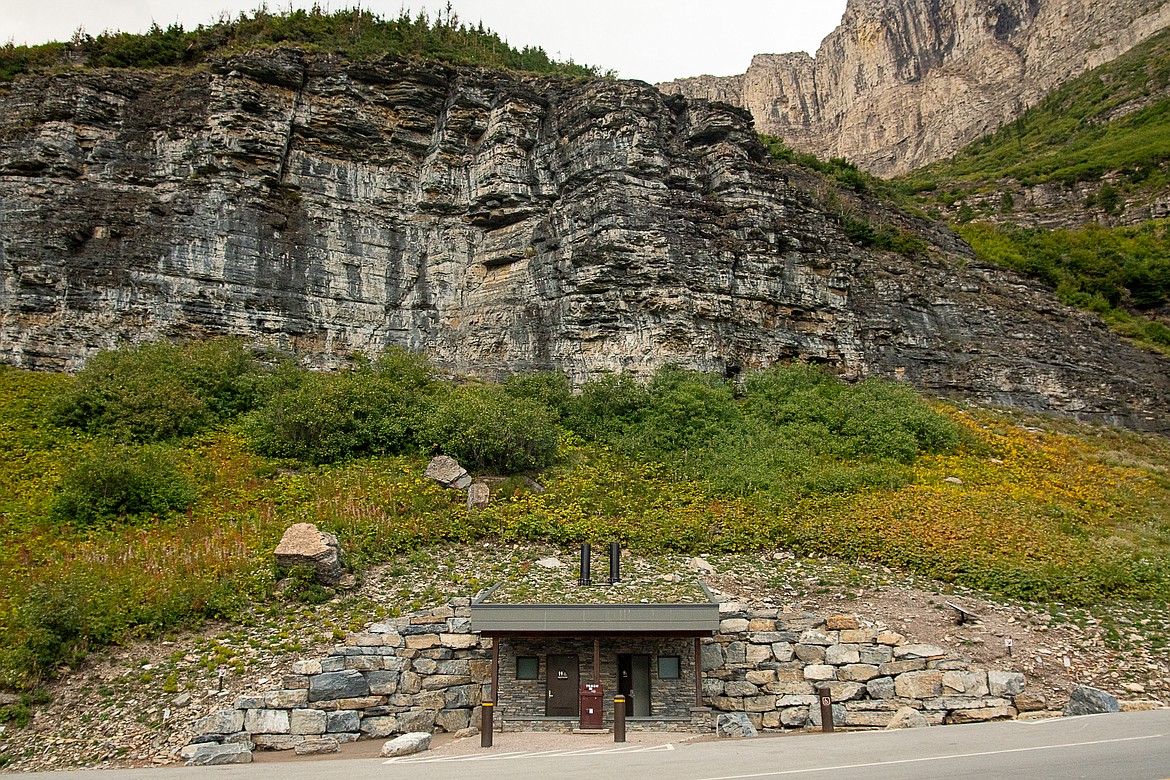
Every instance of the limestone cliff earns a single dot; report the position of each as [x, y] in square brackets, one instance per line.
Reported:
[902, 83]
[498, 223]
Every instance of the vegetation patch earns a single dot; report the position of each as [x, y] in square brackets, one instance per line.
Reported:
[681, 465]
[355, 33]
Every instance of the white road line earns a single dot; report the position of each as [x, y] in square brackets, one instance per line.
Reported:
[521, 754]
[931, 758]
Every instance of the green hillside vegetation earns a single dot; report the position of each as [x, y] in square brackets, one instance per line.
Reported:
[1109, 128]
[1113, 118]
[354, 33]
[123, 520]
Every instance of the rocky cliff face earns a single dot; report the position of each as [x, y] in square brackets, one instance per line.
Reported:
[901, 83]
[496, 222]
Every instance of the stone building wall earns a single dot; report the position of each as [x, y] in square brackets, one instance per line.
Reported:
[522, 702]
[430, 672]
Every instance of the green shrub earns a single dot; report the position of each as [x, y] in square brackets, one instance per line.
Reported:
[550, 388]
[684, 410]
[159, 391]
[872, 420]
[118, 482]
[321, 418]
[487, 430]
[606, 407]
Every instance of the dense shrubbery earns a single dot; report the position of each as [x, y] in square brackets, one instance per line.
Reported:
[320, 417]
[121, 483]
[685, 462]
[159, 391]
[355, 32]
[1109, 271]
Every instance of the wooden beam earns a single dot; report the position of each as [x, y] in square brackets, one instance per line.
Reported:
[496, 669]
[596, 661]
[698, 673]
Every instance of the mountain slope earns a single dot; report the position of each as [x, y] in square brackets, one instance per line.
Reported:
[901, 84]
[497, 223]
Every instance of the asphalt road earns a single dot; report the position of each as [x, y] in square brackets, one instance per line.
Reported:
[1130, 746]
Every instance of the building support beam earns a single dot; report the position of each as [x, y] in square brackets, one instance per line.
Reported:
[698, 673]
[496, 669]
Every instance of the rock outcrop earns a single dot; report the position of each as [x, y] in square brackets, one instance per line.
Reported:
[498, 223]
[901, 83]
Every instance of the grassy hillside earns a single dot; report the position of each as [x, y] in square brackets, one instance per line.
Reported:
[1111, 119]
[354, 32]
[1092, 157]
[792, 459]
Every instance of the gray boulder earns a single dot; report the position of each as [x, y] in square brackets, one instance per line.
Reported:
[211, 754]
[734, 724]
[349, 684]
[220, 722]
[407, 744]
[1086, 700]
[478, 496]
[318, 746]
[447, 472]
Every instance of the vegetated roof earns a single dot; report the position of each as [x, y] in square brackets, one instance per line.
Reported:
[643, 581]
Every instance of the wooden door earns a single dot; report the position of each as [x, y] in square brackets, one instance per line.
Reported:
[563, 681]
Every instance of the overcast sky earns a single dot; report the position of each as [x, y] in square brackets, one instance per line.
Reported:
[654, 40]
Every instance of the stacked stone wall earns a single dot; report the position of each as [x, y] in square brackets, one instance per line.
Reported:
[770, 664]
[429, 672]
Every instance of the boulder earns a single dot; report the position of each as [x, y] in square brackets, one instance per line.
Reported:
[348, 684]
[318, 746]
[267, 722]
[304, 545]
[447, 472]
[734, 724]
[342, 721]
[1006, 683]
[211, 754]
[220, 722]
[907, 718]
[1086, 700]
[478, 496]
[306, 722]
[407, 744]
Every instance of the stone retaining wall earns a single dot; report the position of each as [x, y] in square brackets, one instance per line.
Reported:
[428, 672]
[770, 663]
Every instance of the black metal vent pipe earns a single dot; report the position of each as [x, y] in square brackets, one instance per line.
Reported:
[585, 555]
[615, 563]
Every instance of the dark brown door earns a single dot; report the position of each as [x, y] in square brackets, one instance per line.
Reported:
[634, 684]
[563, 679]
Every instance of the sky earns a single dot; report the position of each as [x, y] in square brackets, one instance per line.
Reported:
[652, 40]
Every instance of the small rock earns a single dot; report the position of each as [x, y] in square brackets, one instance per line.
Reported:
[478, 496]
[907, 718]
[447, 472]
[182, 700]
[1086, 700]
[407, 744]
[550, 563]
[734, 724]
[953, 480]
[698, 564]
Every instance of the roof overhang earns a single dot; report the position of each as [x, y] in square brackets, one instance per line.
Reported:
[595, 619]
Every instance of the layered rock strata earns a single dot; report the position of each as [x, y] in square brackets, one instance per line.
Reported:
[901, 83]
[498, 223]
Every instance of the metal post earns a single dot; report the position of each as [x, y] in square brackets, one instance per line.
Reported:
[585, 561]
[619, 718]
[826, 696]
[615, 563]
[487, 724]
